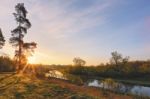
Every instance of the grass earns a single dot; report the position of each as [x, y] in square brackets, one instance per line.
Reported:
[30, 87]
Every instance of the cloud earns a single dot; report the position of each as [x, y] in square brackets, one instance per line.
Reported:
[55, 19]
[56, 22]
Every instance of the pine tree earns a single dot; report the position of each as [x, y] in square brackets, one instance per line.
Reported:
[2, 40]
[18, 34]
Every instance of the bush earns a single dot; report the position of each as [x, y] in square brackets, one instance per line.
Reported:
[74, 79]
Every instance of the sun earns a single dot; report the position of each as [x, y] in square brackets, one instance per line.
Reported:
[31, 60]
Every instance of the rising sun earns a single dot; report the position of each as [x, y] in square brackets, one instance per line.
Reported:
[31, 60]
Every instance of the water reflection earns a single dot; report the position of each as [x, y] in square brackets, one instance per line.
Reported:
[120, 87]
[108, 84]
[55, 74]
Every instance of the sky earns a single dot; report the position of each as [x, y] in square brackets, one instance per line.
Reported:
[89, 29]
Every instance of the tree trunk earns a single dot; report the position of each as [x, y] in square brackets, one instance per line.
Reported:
[20, 51]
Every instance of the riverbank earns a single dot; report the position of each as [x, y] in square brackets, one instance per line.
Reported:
[30, 87]
[132, 81]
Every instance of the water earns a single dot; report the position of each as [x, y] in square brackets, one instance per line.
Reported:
[109, 84]
[55, 74]
[123, 88]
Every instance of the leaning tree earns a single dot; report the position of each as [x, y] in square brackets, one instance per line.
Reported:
[2, 40]
[21, 47]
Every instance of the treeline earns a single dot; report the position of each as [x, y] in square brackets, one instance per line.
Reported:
[118, 67]
[129, 70]
[7, 64]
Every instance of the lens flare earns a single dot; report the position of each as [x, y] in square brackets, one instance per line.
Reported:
[31, 60]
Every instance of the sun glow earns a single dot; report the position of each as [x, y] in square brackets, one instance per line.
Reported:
[31, 60]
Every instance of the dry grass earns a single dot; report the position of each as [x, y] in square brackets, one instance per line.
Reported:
[29, 87]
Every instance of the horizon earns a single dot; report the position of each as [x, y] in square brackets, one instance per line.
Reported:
[90, 30]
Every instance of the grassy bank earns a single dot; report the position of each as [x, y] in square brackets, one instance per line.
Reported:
[30, 87]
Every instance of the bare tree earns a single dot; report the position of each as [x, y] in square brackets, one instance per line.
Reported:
[79, 62]
[117, 58]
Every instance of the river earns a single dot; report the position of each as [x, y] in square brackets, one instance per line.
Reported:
[109, 84]
[123, 88]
